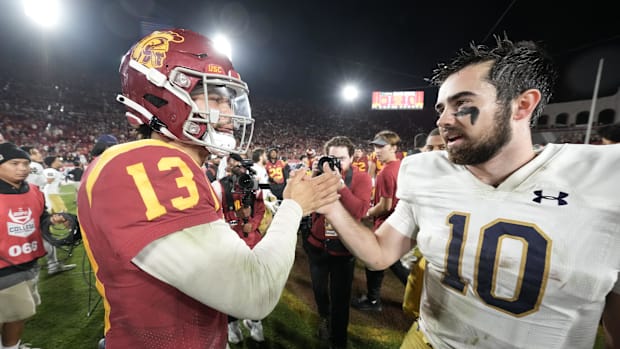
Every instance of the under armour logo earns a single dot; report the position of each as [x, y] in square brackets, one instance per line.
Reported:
[559, 198]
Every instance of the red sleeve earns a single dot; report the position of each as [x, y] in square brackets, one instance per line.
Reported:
[356, 198]
[259, 210]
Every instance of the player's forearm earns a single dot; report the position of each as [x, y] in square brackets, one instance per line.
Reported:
[211, 264]
[273, 259]
[358, 238]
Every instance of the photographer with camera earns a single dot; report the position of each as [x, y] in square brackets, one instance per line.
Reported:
[331, 264]
[243, 207]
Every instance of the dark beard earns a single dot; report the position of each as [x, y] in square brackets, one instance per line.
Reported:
[488, 146]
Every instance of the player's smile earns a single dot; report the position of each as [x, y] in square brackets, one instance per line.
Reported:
[452, 137]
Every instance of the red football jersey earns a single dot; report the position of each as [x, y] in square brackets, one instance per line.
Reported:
[385, 186]
[379, 165]
[275, 170]
[131, 195]
[361, 163]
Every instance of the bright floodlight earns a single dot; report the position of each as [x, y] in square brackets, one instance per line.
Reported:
[45, 13]
[223, 45]
[350, 93]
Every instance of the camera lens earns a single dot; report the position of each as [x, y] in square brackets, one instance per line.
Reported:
[331, 161]
[246, 181]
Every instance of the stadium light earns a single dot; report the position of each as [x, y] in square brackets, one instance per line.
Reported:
[223, 45]
[45, 13]
[349, 93]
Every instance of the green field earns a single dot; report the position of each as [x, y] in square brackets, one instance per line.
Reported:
[71, 317]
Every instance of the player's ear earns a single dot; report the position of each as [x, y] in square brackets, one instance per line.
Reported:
[526, 102]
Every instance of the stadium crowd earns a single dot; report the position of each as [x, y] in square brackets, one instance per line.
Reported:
[64, 118]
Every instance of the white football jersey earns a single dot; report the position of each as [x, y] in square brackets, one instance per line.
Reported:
[526, 264]
[36, 175]
[261, 174]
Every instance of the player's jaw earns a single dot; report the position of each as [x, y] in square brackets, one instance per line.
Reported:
[466, 149]
[452, 136]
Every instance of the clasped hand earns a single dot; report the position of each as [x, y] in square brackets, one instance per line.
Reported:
[313, 192]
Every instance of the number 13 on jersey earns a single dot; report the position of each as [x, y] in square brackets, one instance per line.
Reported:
[154, 207]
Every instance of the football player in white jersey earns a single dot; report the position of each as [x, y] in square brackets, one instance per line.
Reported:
[36, 167]
[521, 246]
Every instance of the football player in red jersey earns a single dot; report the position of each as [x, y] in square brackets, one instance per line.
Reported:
[312, 157]
[168, 266]
[277, 171]
[360, 160]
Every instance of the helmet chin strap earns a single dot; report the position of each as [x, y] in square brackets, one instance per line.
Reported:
[140, 109]
[221, 143]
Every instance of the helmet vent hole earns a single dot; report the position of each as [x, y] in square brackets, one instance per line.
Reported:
[156, 101]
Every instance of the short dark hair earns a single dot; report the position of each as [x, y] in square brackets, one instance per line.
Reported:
[48, 161]
[257, 153]
[517, 67]
[27, 148]
[610, 132]
[340, 141]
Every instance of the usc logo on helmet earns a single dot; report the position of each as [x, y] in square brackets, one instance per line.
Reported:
[215, 68]
[151, 51]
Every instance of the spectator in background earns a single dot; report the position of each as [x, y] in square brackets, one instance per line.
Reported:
[610, 134]
[54, 179]
[39, 176]
[36, 175]
[2, 140]
[103, 142]
[312, 157]
[259, 159]
[303, 163]
[385, 145]
[75, 174]
[331, 264]
[434, 141]
[55, 204]
[243, 210]
[360, 160]
[211, 167]
[276, 169]
[23, 209]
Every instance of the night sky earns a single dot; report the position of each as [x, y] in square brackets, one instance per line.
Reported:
[307, 49]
